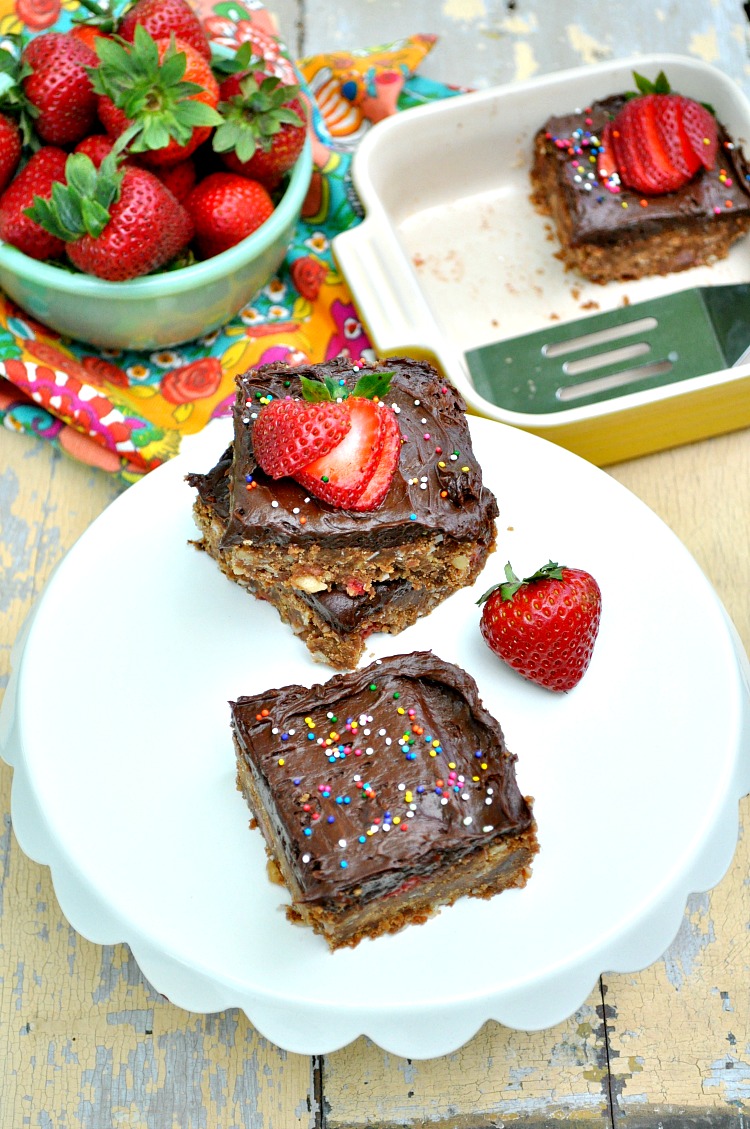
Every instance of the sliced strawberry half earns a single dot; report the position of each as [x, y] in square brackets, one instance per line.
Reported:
[666, 110]
[340, 476]
[699, 127]
[644, 163]
[380, 483]
[289, 434]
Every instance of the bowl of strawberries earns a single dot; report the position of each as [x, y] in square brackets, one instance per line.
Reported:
[150, 181]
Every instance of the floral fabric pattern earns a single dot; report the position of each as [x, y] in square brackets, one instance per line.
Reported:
[125, 412]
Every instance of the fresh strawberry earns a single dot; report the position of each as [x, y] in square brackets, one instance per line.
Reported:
[545, 626]
[162, 93]
[353, 470]
[147, 228]
[116, 223]
[289, 434]
[36, 179]
[58, 87]
[225, 208]
[86, 33]
[264, 127]
[10, 149]
[162, 18]
[96, 146]
[380, 483]
[180, 179]
[658, 141]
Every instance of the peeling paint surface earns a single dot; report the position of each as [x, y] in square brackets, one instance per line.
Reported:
[705, 45]
[525, 63]
[87, 1043]
[465, 11]
[587, 47]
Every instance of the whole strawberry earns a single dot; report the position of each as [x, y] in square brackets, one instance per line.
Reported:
[544, 626]
[162, 18]
[58, 87]
[147, 228]
[342, 446]
[96, 146]
[264, 127]
[658, 141]
[179, 178]
[10, 149]
[116, 223]
[225, 208]
[89, 33]
[161, 93]
[35, 180]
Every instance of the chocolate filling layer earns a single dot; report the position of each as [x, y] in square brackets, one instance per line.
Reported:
[380, 776]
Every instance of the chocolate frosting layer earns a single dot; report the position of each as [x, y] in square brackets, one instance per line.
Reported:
[602, 216]
[380, 775]
[437, 487]
[345, 613]
[214, 486]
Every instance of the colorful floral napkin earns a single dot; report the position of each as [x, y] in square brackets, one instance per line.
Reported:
[125, 412]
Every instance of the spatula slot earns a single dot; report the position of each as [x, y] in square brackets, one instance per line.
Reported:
[600, 337]
[623, 352]
[614, 380]
[610, 357]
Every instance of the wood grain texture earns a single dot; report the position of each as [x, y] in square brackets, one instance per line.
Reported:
[679, 1032]
[85, 1041]
[485, 43]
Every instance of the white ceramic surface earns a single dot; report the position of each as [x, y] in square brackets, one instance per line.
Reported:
[452, 255]
[117, 724]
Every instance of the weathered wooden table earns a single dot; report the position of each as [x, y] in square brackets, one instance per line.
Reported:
[85, 1041]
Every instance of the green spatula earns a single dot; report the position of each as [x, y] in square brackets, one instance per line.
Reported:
[630, 349]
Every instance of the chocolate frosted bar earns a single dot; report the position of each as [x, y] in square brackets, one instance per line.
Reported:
[335, 575]
[382, 795]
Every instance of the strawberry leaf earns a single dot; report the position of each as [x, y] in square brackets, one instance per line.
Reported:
[13, 100]
[244, 59]
[315, 390]
[252, 118]
[660, 85]
[373, 385]
[81, 205]
[511, 584]
[151, 92]
[101, 15]
[370, 386]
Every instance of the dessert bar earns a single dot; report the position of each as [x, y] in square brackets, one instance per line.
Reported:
[334, 574]
[382, 795]
[608, 231]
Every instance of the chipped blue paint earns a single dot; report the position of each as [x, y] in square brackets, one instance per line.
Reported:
[732, 1076]
[118, 966]
[6, 844]
[138, 1019]
[695, 934]
[726, 1003]
[16, 578]
[516, 1076]
[18, 984]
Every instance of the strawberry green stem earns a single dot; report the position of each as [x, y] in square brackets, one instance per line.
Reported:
[150, 91]
[81, 206]
[508, 588]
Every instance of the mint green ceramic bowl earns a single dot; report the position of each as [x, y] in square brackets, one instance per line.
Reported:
[160, 309]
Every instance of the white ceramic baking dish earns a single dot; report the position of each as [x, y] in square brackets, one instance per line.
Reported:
[451, 254]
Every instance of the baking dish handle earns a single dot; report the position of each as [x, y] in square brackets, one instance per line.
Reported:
[388, 296]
